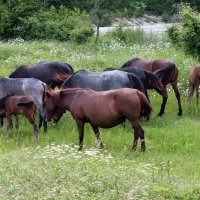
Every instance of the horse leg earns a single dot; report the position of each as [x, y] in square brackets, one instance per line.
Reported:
[9, 125]
[197, 93]
[80, 125]
[17, 124]
[138, 132]
[97, 134]
[35, 127]
[162, 108]
[190, 91]
[175, 88]
[1, 121]
[43, 121]
[146, 94]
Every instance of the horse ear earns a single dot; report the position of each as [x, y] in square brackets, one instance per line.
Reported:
[47, 92]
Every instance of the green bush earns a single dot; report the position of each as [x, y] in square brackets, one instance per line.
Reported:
[188, 36]
[174, 33]
[59, 24]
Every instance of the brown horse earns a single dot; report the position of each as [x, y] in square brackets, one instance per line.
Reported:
[170, 77]
[19, 105]
[193, 85]
[101, 109]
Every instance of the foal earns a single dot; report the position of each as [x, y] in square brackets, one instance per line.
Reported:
[194, 81]
[19, 105]
[104, 109]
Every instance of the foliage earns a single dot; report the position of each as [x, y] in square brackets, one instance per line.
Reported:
[188, 36]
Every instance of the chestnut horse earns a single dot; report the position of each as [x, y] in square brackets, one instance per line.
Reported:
[19, 105]
[193, 85]
[171, 77]
[104, 109]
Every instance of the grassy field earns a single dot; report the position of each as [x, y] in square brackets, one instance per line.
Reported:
[54, 169]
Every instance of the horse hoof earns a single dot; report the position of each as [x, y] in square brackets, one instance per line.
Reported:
[180, 113]
[101, 146]
[160, 114]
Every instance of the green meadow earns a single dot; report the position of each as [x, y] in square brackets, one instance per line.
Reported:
[54, 169]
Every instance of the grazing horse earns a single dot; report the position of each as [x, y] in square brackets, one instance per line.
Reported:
[25, 86]
[100, 81]
[19, 105]
[104, 109]
[157, 67]
[149, 80]
[193, 85]
[51, 73]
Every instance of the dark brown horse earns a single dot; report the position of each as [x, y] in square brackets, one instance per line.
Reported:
[51, 73]
[156, 66]
[19, 105]
[193, 85]
[101, 109]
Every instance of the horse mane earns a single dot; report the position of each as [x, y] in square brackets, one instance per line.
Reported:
[19, 71]
[61, 77]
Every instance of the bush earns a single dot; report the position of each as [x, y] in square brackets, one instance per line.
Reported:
[59, 24]
[188, 36]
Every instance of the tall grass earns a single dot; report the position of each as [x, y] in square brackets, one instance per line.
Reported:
[54, 169]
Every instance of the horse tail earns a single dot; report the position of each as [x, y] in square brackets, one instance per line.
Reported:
[146, 108]
[136, 83]
[191, 87]
[166, 72]
[26, 104]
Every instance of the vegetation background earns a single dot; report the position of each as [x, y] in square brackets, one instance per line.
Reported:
[54, 169]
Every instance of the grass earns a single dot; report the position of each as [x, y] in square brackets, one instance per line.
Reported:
[54, 169]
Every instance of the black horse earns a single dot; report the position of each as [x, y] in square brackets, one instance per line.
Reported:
[25, 86]
[100, 81]
[51, 73]
[149, 80]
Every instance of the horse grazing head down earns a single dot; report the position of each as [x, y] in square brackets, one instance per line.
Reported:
[113, 107]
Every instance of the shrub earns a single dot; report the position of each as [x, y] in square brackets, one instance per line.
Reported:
[188, 36]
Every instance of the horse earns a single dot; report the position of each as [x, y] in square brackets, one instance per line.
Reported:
[51, 73]
[193, 85]
[25, 86]
[157, 67]
[149, 80]
[100, 81]
[104, 109]
[19, 105]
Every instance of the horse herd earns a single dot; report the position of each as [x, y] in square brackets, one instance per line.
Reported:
[103, 99]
